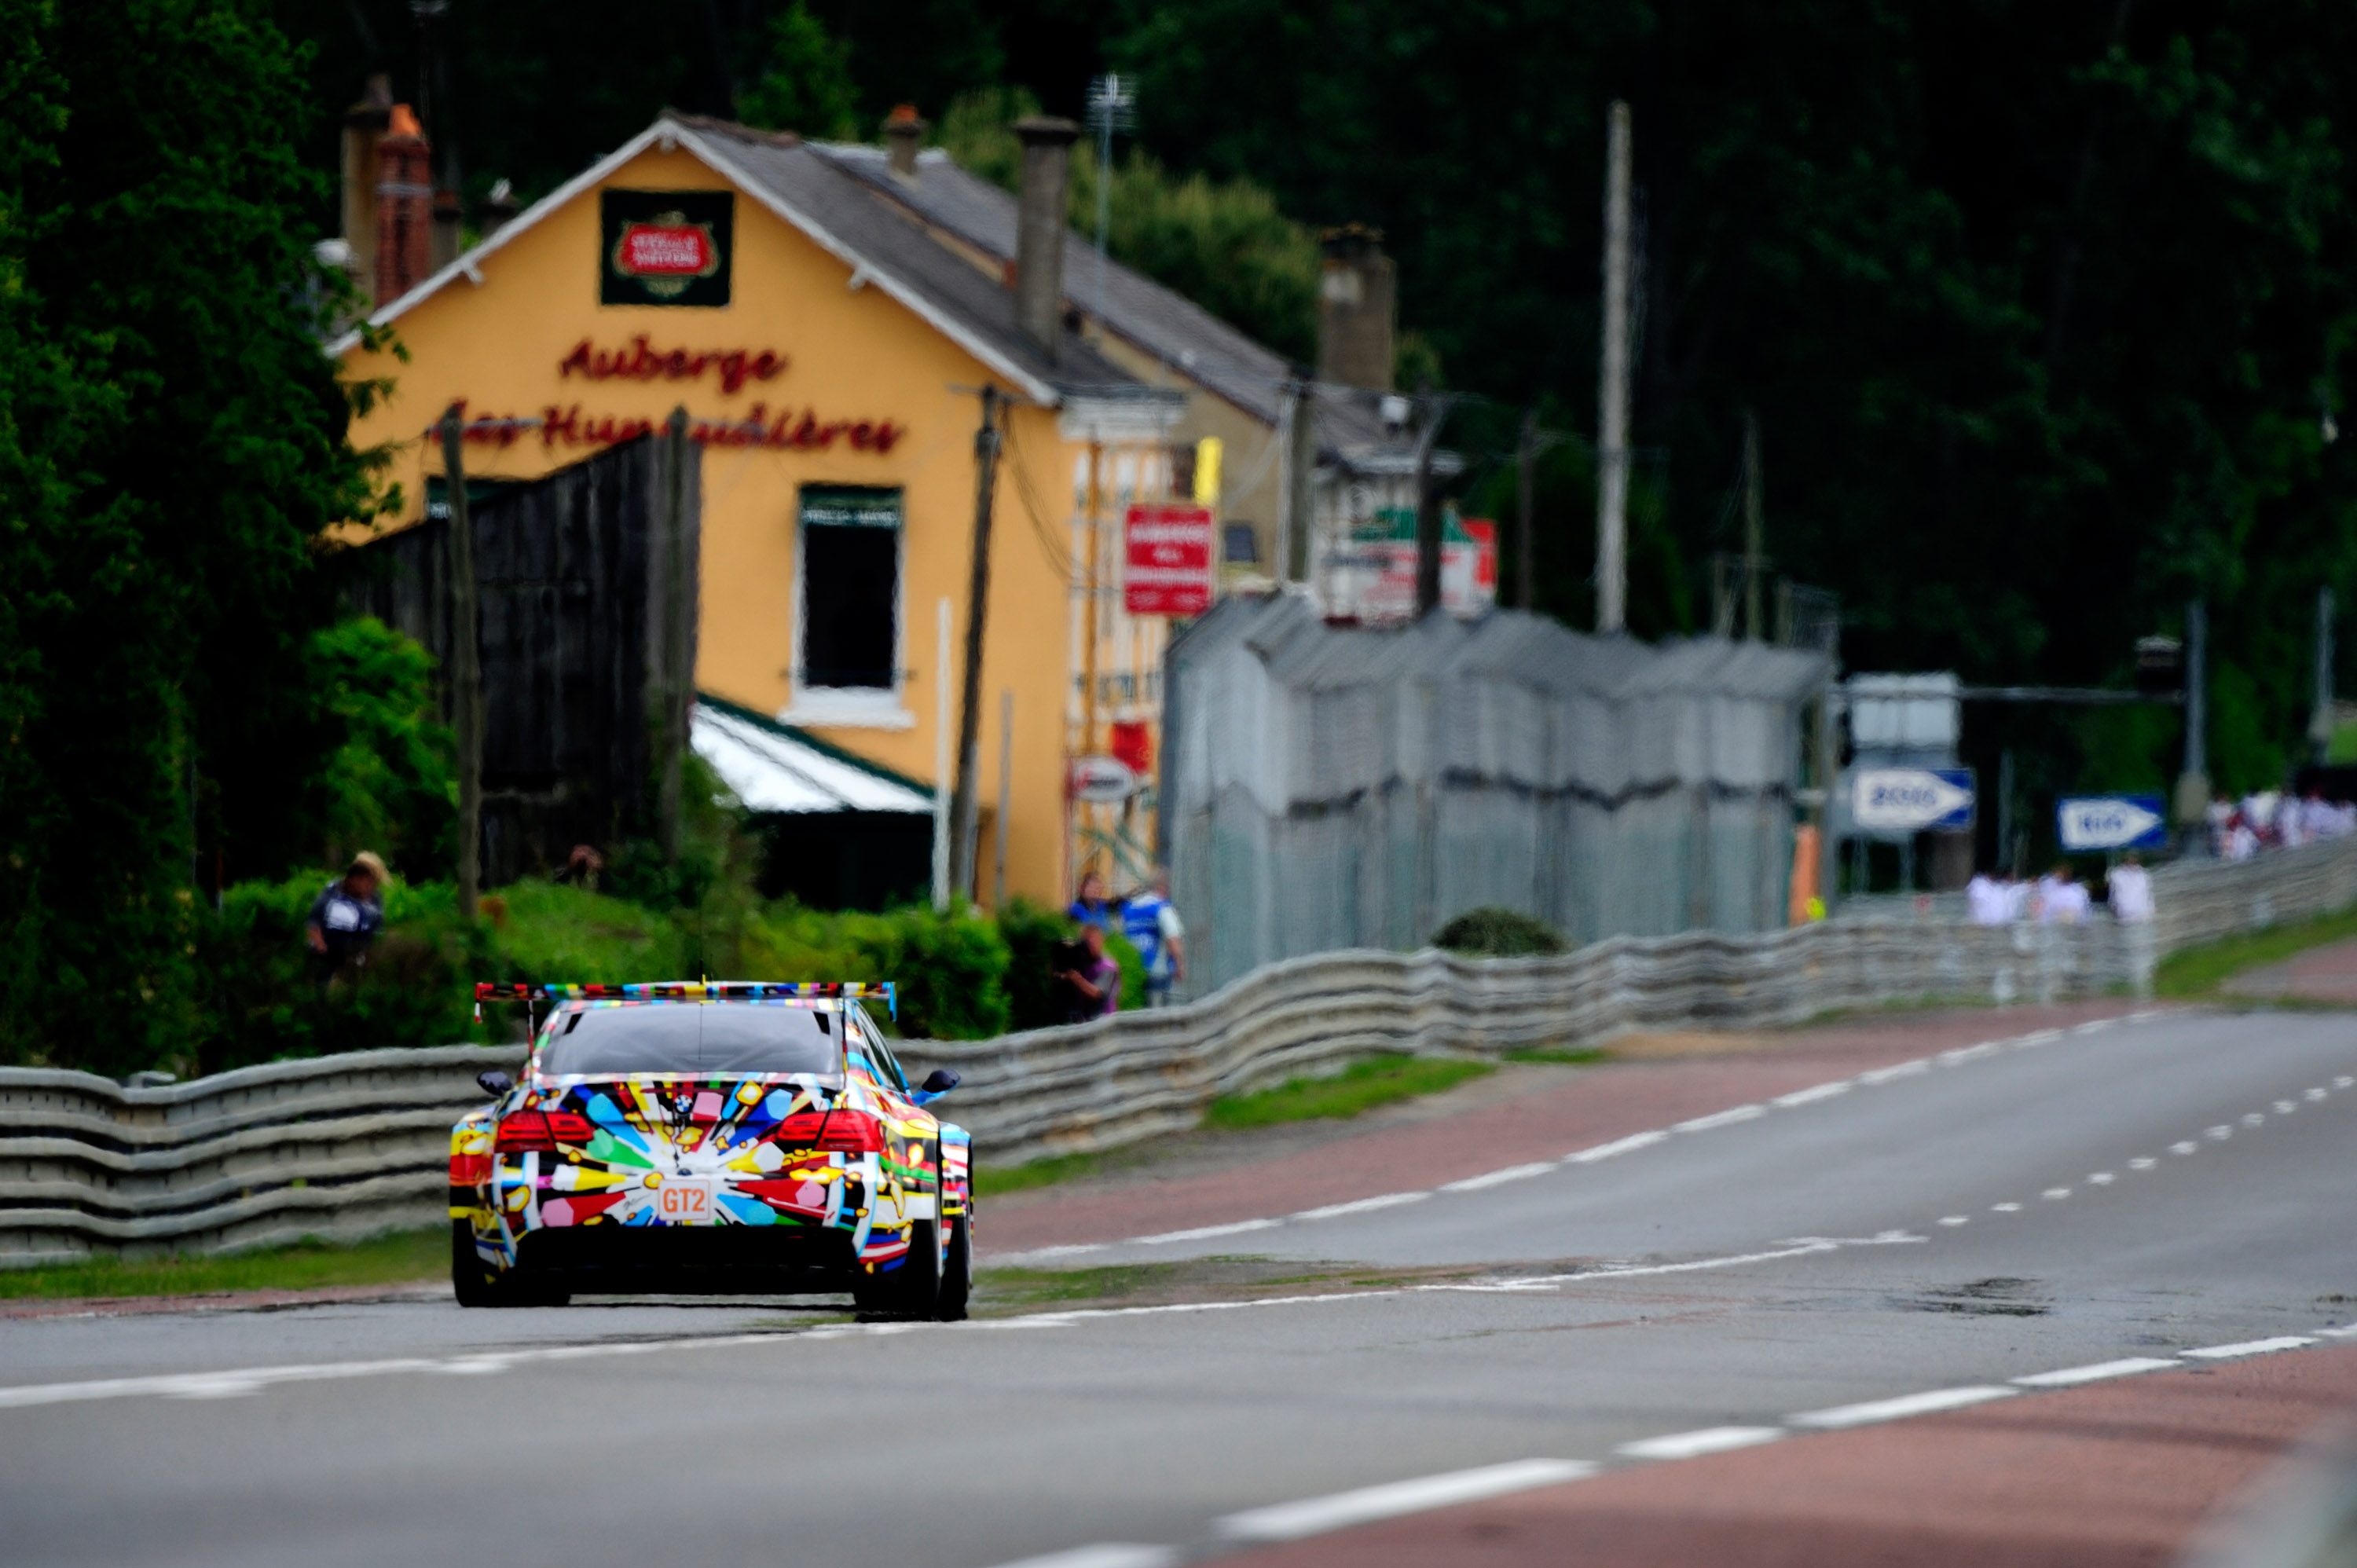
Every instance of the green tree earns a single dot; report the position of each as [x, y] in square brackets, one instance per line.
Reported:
[171, 444]
[806, 85]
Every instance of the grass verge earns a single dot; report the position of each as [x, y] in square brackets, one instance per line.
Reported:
[1561, 1055]
[1359, 1088]
[2201, 971]
[399, 1258]
[990, 1180]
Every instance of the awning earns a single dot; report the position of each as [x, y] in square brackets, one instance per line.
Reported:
[775, 768]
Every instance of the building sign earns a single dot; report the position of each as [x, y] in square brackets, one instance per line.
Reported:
[1103, 781]
[664, 247]
[640, 363]
[1375, 577]
[787, 431]
[1167, 564]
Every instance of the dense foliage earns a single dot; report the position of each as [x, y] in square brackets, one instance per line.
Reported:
[171, 444]
[1492, 932]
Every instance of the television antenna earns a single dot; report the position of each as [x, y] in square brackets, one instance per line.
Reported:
[1112, 106]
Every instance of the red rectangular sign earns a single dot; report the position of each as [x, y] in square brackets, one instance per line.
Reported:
[1167, 566]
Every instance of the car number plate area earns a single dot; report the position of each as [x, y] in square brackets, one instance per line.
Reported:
[683, 1200]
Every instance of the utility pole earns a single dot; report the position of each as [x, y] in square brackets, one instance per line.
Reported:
[1612, 395]
[465, 664]
[1005, 788]
[2319, 723]
[1526, 456]
[1751, 526]
[2194, 782]
[977, 611]
[678, 683]
[942, 756]
[1300, 481]
[1434, 408]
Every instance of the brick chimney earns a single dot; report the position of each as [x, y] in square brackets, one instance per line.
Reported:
[904, 133]
[405, 207]
[1039, 228]
[364, 125]
[1357, 308]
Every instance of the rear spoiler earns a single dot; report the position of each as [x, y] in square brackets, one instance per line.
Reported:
[692, 991]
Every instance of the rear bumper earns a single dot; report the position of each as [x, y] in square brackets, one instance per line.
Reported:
[693, 1259]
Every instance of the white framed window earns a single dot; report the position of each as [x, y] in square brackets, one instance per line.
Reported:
[849, 634]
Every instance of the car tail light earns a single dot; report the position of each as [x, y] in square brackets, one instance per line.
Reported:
[527, 1130]
[799, 1131]
[848, 1132]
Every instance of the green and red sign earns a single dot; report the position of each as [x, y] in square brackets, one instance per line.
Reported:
[665, 247]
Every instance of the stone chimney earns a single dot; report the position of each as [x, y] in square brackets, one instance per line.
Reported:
[405, 207]
[904, 133]
[1039, 228]
[364, 124]
[1357, 308]
[499, 207]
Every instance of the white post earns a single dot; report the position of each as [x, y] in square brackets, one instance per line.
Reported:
[941, 762]
[1612, 399]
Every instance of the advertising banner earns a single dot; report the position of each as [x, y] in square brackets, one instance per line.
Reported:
[2088, 823]
[664, 247]
[1168, 559]
[1375, 580]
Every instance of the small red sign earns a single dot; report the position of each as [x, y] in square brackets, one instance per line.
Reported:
[1167, 560]
[666, 251]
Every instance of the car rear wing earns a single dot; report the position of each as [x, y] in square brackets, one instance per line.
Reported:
[693, 990]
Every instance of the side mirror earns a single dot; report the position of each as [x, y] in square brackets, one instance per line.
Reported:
[941, 1080]
[495, 1082]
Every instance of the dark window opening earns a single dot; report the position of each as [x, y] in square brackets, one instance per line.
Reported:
[851, 587]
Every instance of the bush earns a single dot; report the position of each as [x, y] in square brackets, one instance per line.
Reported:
[1494, 932]
[951, 969]
[1031, 932]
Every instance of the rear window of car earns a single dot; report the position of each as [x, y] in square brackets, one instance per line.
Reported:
[692, 1038]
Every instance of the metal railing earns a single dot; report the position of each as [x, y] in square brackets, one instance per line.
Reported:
[344, 1146]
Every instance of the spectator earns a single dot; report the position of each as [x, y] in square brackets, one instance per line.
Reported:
[345, 918]
[1090, 907]
[2017, 899]
[2129, 888]
[2220, 819]
[2063, 900]
[1153, 928]
[1091, 981]
[2240, 842]
[1986, 895]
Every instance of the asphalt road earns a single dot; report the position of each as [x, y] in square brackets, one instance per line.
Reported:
[2132, 1190]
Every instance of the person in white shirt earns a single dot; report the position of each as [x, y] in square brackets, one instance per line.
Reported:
[2130, 889]
[1985, 897]
[2017, 899]
[2240, 842]
[2062, 901]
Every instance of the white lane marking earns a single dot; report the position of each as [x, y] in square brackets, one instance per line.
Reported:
[2037, 1037]
[1810, 1096]
[1360, 1205]
[2250, 1348]
[1629, 1144]
[2345, 1331]
[2221, 1131]
[1070, 1250]
[1955, 1219]
[1207, 1232]
[1726, 1118]
[2253, 1119]
[1315, 1516]
[2101, 1179]
[2093, 1024]
[1104, 1554]
[2286, 1107]
[2343, 1081]
[2142, 1163]
[2316, 1095]
[1695, 1445]
[2004, 1209]
[2185, 1148]
[1904, 1069]
[1498, 1179]
[2070, 1377]
[1898, 1409]
[2056, 1192]
[1963, 1053]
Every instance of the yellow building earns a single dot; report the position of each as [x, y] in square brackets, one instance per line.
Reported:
[830, 352]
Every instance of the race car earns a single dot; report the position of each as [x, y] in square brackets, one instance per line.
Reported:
[711, 1136]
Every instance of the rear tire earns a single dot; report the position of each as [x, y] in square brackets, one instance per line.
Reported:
[476, 1285]
[912, 1289]
[957, 1273]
